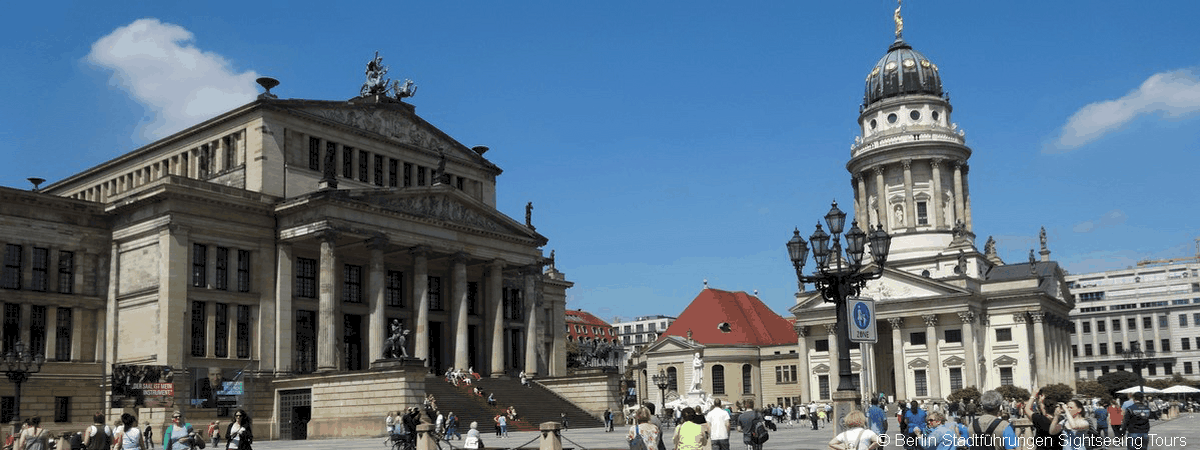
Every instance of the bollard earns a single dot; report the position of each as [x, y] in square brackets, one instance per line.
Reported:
[551, 440]
[425, 437]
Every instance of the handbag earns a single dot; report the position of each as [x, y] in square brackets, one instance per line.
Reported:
[473, 442]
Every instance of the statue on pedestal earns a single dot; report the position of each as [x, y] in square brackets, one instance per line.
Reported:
[697, 373]
[394, 346]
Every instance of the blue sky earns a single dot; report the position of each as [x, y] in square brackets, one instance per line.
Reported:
[665, 143]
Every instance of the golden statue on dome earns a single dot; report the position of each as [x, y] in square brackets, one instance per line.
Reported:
[898, 19]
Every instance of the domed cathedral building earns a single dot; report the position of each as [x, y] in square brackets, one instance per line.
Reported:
[311, 261]
[948, 316]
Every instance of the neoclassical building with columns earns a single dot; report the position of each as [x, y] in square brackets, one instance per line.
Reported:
[262, 257]
[948, 315]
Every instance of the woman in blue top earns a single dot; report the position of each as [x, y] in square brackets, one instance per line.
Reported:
[178, 435]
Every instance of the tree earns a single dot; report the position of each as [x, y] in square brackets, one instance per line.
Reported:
[1012, 392]
[1159, 383]
[1092, 389]
[961, 395]
[1057, 393]
[1121, 379]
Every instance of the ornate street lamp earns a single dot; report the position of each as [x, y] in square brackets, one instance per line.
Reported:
[838, 278]
[18, 365]
[662, 380]
[1138, 358]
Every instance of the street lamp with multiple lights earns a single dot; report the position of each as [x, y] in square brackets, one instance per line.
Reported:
[1138, 358]
[18, 365]
[838, 278]
[662, 380]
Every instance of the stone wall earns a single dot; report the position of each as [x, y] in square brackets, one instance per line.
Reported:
[354, 404]
[593, 390]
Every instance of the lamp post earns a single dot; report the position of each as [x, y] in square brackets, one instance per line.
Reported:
[1138, 358]
[18, 365]
[838, 278]
[662, 380]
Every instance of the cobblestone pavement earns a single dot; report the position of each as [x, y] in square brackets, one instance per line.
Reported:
[1183, 432]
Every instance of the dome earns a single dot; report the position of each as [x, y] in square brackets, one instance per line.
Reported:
[902, 71]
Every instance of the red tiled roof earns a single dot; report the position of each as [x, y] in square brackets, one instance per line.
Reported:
[750, 321]
[584, 317]
[586, 322]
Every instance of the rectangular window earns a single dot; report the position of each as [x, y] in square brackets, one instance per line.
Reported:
[11, 278]
[41, 269]
[821, 345]
[956, 378]
[1187, 367]
[306, 278]
[394, 291]
[230, 152]
[243, 331]
[922, 214]
[1196, 318]
[1003, 334]
[37, 330]
[1185, 343]
[62, 341]
[222, 272]
[1087, 326]
[458, 183]
[347, 160]
[1075, 350]
[1147, 323]
[62, 409]
[1087, 349]
[653, 326]
[718, 380]
[747, 380]
[364, 159]
[1152, 369]
[1103, 370]
[243, 271]
[1131, 323]
[921, 382]
[12, 325]
[7, 410]
[1183, 320]
[306, 341]
[1166, 345]
[408, 174]
[378, 170]
[222, 331]
[1100, 325]
[823, 384]
[473, 298]
[66, 272]
[352, 284]
[1116, 323]
[1006, 376]
[1149, 346]
[435, 294]
[1103, 348]
[314, 154]
[420, 176]
[199, 336]
[393, 172]
[1163, 322]
[953, 336]
[916, 338]
[199, 265]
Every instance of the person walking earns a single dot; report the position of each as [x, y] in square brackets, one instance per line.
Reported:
[1136, 425]
[178, 435]
[496, 422]
[876, 418]
[503, 426]
[34, 437]
[812, 413]
[718, 426]
[214, 433]
[747, 421]
[856, 436]
[1101, 414]
[608, 420]
[689, 433]
[98, 435]
[649, 433]
[149, 436]
[989, 427]
[239, 436]
[1115, 417]
[128, 436]
[452, 427]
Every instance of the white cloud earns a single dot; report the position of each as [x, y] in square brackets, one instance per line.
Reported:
[179, 84]
[1172, 94]
[1109, 219]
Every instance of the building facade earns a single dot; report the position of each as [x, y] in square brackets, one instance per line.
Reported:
[948, 315]
[584, 326]
[1155, 305]
[636, 334]
[263, 258]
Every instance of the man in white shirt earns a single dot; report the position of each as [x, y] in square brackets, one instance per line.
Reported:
[719, 424]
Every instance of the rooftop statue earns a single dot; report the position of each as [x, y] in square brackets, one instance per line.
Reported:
[898, 19]
[376, 84]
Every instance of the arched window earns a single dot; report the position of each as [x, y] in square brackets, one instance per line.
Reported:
[747, 380]
[718, 379]
[672, 380]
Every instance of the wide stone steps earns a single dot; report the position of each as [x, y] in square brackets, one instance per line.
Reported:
[534, 404]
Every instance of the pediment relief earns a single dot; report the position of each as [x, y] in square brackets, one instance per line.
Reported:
[821, 368]
[394, 125]
[1004, 360]
[445, 206]
[953, 361]
[918, 364]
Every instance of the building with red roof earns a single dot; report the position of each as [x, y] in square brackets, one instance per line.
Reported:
[584, 326]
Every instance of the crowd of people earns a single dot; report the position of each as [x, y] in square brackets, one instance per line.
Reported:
[126, 434]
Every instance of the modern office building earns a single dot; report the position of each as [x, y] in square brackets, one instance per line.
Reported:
[1155, 305]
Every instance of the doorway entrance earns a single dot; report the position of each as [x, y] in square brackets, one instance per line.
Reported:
[295, 411]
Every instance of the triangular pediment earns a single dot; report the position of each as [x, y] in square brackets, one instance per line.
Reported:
[1004, 360]
[821, 368]
[442, 204]
[893, 285]
[918, 363]
[672, 344]
[953, 361]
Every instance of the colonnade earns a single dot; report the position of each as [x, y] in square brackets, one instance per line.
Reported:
[960, 209]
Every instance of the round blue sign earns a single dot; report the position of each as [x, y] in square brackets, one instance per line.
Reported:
[862, 316]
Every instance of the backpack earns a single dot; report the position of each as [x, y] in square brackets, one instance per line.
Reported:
[637, 443]
[978, 442]
[758, 432]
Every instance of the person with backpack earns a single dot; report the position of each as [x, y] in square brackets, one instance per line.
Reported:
[644, 435]
[856, 436]
[989, 431]
[1137, 423]
[98, 436]
[1101, 415]
[754, 430]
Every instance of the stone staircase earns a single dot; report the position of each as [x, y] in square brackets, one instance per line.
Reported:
[534, 404]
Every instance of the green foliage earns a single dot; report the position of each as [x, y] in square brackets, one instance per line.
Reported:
[1057, 393]
[1115, 381]
[1159, 384]
[1013, 392]
[969, 392]
[1090, 389]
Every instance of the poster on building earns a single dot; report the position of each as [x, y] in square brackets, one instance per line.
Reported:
[142, 386]
[215, 387]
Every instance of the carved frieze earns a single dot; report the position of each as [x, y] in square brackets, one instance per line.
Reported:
[386, 123]
[440, 208]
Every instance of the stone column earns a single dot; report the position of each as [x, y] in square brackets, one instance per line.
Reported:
[172, 294]
[939, 220]
[881, 200]
[860, 201]
[532, 334]
[285, 319]
[834, 364]
[910, 212]
[968, 331]
[966, 197]
[804, 373]
[26, 320]
[459, 297]
[958, 190]
[327, 316]
[495, 317]
[935, 360]
[377, 331]
[420, 286]
[899, 365]
[1042, 370]
[210, 329]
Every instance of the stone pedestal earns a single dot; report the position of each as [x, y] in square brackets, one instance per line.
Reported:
[843, 403]
[425, 437]
[395, 363]
[551, 439]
